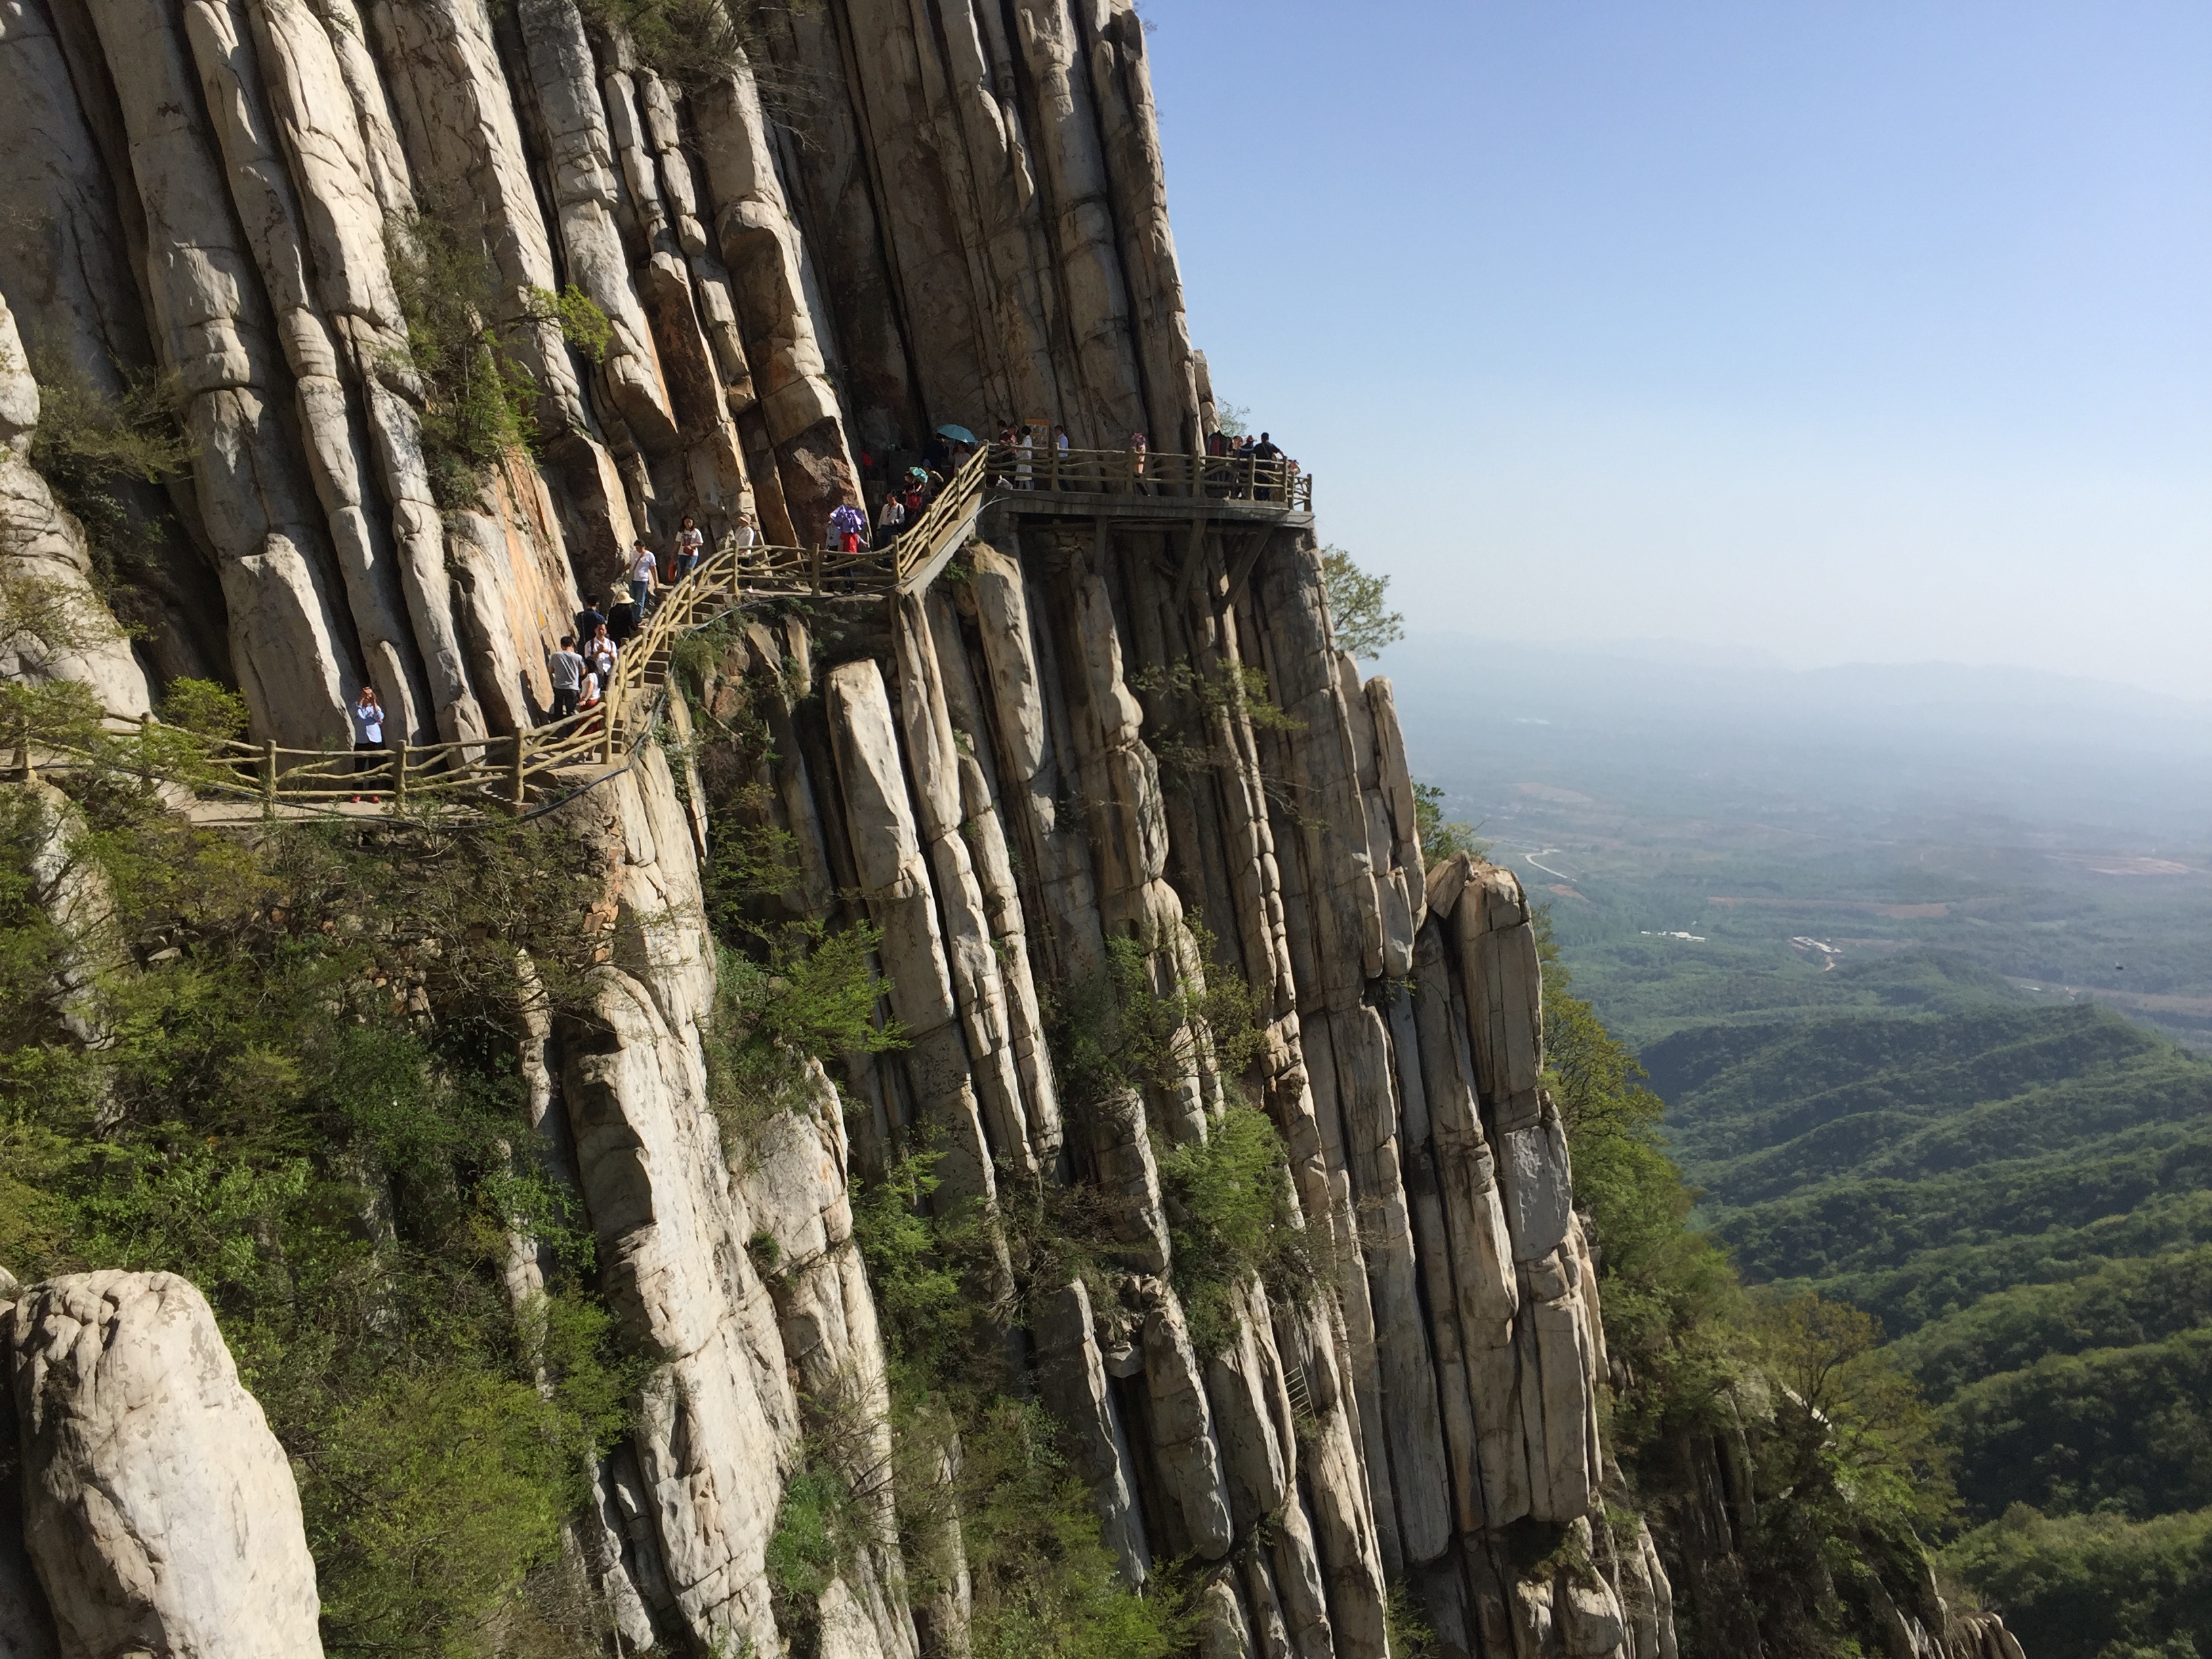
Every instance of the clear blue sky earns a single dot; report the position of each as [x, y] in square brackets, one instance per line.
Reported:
[1849, 330]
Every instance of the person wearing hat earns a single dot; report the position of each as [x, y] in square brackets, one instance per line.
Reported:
[621, 617]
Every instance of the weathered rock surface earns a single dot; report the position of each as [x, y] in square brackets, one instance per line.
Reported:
[159, 1509]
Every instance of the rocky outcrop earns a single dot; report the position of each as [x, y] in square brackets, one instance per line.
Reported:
[1983, 1636]
[158, 1510]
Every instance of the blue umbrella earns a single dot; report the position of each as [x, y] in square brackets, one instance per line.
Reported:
[959, 434]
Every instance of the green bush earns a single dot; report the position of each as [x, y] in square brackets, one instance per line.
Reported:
[1846, 1473]
[1232, 1216]
[479, 403]
[428, 1500]
[1182, 705]
[1042, 1581]
[1128, 1030]
[1045, 1585]
[693, 42]
[204, 709]
[269, 1112]
[820, 1531]
[87, 443]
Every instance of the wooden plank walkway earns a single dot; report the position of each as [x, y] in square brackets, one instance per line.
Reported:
[538, 768]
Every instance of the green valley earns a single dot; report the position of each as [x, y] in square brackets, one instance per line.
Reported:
[2023, 1197]
[1920, 969]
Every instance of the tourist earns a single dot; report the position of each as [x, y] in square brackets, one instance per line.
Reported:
[1063, 468]
[1138, 446]
[622, 620]
[847, 524]
[644, 578]
[745, 532]
[600, 653]
[589, 619]
[1265, 457]
[890, 522]
[565, 669]
[367, 735]
[1024, 453]
[688, 542]
[588, 698]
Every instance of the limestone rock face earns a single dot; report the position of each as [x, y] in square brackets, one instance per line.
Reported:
[159, 1510]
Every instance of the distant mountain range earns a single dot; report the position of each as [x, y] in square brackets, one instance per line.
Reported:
[1631, 717]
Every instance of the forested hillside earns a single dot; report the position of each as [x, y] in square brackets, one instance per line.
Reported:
[2023, 1197]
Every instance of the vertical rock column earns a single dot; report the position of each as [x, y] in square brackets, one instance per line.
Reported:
[985, 833]
[278, 96]
[718, 1425]
[1335, 926]
[565, 95]
[67, 268]
[932, 757]
[1068, 934]
[1503, 987]
[455, 110]
[1127, 828]
[294, 655]
[1123, 84]
[797, 406]
[795, 1185]
[1473, 1291]
[1095, 298]
[895, 881]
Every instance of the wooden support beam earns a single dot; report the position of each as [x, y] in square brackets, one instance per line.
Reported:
[1256, 543]
[1194, 558]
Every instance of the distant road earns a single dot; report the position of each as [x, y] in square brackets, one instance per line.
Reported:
[1546, 851]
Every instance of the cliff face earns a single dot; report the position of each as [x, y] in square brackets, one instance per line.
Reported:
[960, 215]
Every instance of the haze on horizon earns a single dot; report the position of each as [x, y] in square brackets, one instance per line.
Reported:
[1849, 331]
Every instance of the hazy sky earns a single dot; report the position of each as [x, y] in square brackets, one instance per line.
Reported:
[1856, 330]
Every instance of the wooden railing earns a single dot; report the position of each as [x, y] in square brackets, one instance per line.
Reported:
[1280, 483]
[541, 765]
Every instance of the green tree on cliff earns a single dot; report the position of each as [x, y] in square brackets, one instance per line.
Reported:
[1355, 601]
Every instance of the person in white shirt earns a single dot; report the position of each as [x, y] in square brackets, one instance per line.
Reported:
[368, 733]
[588, 697]
[644, 578]
[599, 654]
[744, 533]
[688, 541]
[890, 522]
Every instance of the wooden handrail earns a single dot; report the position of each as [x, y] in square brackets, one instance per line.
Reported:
[1280, 483]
